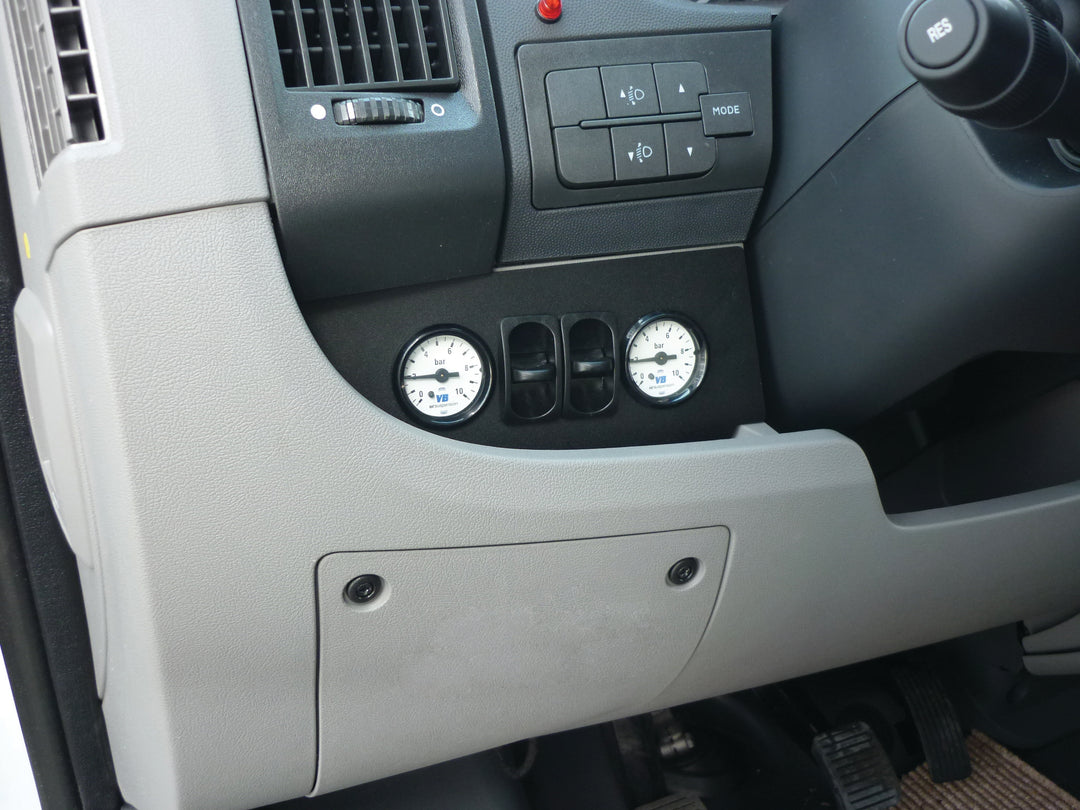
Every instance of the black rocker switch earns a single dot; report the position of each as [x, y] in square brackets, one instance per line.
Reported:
[532, 368]
[590, 363]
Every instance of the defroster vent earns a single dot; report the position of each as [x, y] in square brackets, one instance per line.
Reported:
[56, 77]
[355, 44]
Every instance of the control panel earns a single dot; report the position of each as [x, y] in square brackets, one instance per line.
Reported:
[636, 123]
[552, 367]
[367, 133]
[645, 117]
[630, 350]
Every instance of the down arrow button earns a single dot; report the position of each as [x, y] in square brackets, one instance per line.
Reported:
[689, 152]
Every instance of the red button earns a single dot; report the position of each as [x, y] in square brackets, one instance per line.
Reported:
[549, 10]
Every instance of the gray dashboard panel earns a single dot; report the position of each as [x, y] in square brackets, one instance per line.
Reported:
[180, 130]
[458, 637]
[877, 585]
[226, 457]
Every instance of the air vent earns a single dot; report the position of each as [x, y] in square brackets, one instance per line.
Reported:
[55, 75]
[355, 44]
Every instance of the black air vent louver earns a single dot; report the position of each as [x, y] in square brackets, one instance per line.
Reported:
[353, 44]
[56, 76]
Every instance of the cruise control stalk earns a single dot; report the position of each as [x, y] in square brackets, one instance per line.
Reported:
[1002, 63]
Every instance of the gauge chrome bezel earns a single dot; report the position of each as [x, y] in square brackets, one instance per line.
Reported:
[701, 357]
[482, 396]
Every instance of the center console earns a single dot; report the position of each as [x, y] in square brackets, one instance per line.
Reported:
[544, 201]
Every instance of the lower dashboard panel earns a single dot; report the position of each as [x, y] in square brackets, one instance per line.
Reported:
[454, 636]
[364, 336]
[225, 460]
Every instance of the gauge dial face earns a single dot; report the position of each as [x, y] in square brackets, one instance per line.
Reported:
[665, 359]
[444, 376]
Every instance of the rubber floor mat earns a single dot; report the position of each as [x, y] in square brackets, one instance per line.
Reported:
[999, 781]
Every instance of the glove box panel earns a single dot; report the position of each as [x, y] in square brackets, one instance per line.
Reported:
[465, 649]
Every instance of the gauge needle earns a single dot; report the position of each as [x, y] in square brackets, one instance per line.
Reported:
[438, 375]
[656, 358]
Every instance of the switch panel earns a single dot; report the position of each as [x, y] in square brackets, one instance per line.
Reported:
[638, 146]
[559, 378]
[643, 117]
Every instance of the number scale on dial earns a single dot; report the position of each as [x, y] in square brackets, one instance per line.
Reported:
[665, 361]
[443, 376]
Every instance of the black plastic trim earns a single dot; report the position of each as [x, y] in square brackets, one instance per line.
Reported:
[363, 208]
[362, 337]
[850, 325]
[659, 118]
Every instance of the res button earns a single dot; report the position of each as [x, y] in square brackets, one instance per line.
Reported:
[940, 32]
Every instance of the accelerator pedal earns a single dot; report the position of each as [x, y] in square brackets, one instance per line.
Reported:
[936, 721]
[859, 770]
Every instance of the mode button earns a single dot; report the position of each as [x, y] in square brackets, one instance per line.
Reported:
[727, 114]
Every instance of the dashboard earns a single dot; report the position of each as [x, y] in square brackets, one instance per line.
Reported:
[606, 121]
[411, 367]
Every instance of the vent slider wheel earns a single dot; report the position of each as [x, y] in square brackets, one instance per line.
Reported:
[378, 110]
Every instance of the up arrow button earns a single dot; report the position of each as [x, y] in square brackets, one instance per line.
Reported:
[678, 85]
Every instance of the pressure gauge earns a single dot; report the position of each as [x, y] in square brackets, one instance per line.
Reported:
[444, 376]
[665, 359]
